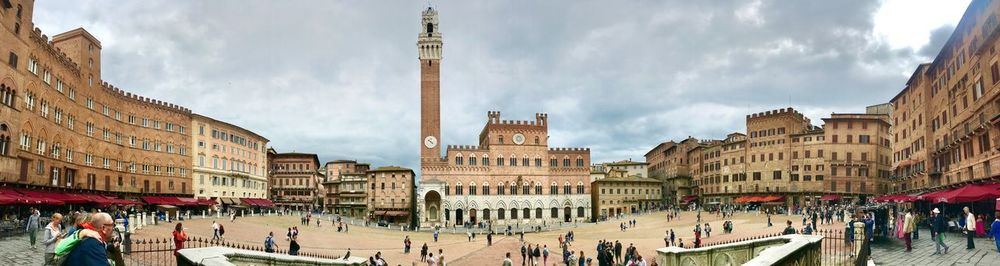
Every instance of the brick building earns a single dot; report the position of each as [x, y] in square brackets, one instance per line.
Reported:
[345, 187]
[390, 194]
[945, 118]
[783, 156]
[512, 176]
[294, 180]
[669, 163]
[75, 130]
[616, 195]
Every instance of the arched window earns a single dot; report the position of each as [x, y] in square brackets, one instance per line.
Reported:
[513, 213]
[538, 213]
[555, 212]
[430, 28]
[579, 188]
[579, 212]
[526, 188]
[538, 189]
[513, 188]
[501, 213]
[554, 189]
[501, 189]
[526, 212]
[472, 189]
[458, 189]
[566, 189]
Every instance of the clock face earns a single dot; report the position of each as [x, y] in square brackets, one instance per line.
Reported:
[430, 142]
[518, 139]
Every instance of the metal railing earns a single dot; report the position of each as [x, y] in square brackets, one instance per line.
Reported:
[157, 251]
[837, 247]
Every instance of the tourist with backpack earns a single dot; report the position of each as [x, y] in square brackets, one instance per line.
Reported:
[269, 245]
[90, 250]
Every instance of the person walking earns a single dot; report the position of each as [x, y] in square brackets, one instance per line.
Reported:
[970, 228]
[489, 239]
[269, 245]
[908, 227]
[507, 261]
[436, 232]
[215, 230]
[537, 254]
[406, 245]
[440, 260]
[524, 252]
[423, 252]
[32, 227]
[545, 255]
[53, 232]
[179, 238]
[293, 246]
[431, 261]
[995, 230]
[618, 252]
[938, 228]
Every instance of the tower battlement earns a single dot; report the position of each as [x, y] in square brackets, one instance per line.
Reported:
[776, 113]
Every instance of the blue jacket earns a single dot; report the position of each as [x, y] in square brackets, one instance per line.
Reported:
[995, 230]
[89, 252]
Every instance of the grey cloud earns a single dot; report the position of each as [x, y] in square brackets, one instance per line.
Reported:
[341, 79]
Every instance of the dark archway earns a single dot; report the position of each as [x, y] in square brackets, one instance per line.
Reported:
[567, 214]
[432, 203]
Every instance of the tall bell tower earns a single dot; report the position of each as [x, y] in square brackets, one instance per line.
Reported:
[429, 48]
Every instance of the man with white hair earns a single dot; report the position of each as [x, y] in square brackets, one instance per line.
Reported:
[970, 227]
[93, 251]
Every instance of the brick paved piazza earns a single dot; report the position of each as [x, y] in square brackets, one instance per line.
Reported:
[647, 236]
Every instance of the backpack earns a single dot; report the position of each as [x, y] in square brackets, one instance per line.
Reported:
[65, 246]
[269, 244]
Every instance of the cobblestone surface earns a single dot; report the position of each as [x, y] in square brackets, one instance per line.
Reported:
[893, 253]
[17, 251]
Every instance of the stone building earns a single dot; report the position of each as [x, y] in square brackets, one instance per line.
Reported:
[618, 169]
[619, 195]
[390, 194]
[945, 118]
[344, 185]
[75, 130]
[669, 162]
[295, 180]
[229, 162]
[785, 157]
[511, 177]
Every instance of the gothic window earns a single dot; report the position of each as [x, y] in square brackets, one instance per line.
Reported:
[430, 29]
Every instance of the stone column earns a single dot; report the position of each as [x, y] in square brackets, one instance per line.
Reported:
[131, 222]
[859, 237]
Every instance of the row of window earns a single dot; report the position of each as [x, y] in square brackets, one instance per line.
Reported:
[618, 191]
[525, 213]
[232, 150]
[767, 132]
[231, 137]
[232, 165]
[56, 151]
[514, 189]
[472, 161]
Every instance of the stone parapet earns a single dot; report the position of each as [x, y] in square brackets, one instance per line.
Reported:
[779, 250]
[224, 256]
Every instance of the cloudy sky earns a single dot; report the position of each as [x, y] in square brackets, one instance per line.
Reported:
[340, 78]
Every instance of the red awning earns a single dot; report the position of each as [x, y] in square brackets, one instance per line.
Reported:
[772, 198]
[163, 200]
[967, 193]
[8, 200]
[830, 197]
[66, 198]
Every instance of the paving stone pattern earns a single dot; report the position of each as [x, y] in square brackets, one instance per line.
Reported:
[893, 253]
[17, 250]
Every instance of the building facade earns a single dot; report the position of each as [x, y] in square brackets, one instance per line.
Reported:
[784, 156]
[344, 185]
[229, 162]
[613, 196]
[295, 180]
[510, 177]
[670, 163]
[390, 194]
[945, 120]
[75, 130]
